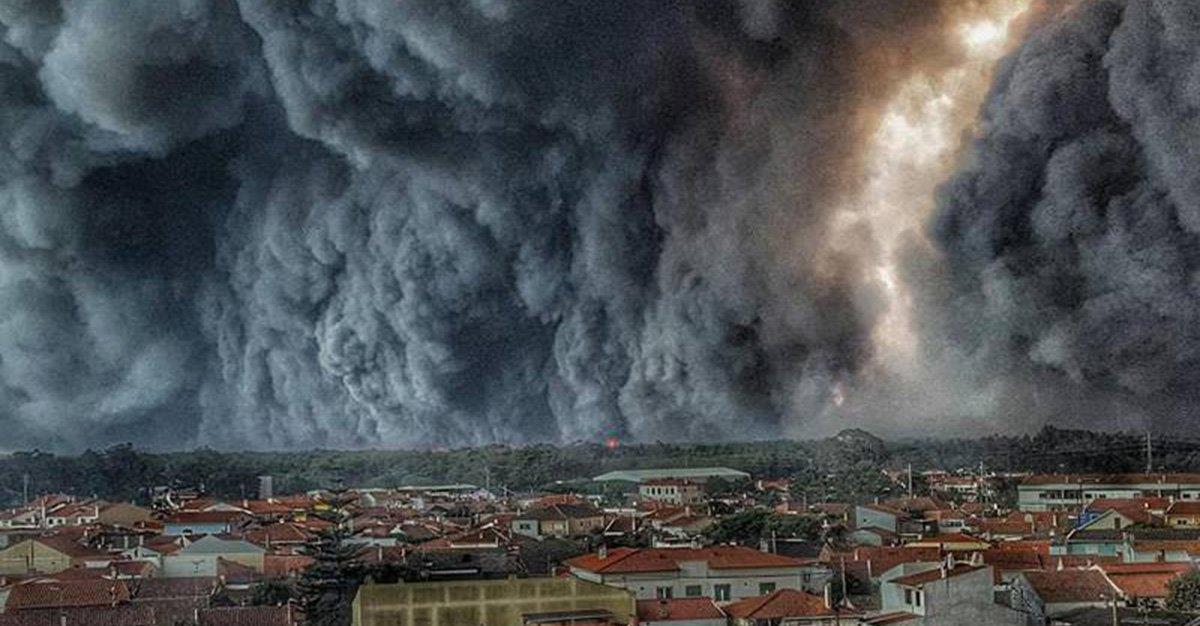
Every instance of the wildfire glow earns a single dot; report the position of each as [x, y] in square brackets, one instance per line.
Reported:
[914, 149]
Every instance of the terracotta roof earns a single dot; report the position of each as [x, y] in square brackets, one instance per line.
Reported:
[919, 504]
[1004, 527]
[1070, 585]
[234, 573]
[628, 560]
[678, 609]
[948, 538]
[783, 603]
[167, 588]
[282, 566]
[127, 615]
[205, 517]
[1184, 507]
[884, 558]
[76, 593]
[1132, 510]
[921, 578]
[1145, 580]
[277, 533]
[70, 547]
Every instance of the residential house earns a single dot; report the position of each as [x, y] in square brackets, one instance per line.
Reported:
[1185, 513]
[723, 573]
[950, 595]
[48, 555]
[200, 558]
[124, 514]
[878, 516]
[680, 612]
[673, 491]
[1141, 583]
[560, 520]
[789, 606]
[1048, 594]
[207, 522]
[74, 514]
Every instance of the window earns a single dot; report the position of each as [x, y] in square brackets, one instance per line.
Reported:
[918, 597]
[663, 593]
[765, 588]
[693, 591]
[908, 596]
[721, 593]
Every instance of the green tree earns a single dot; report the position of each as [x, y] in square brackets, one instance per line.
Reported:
[1183, 593]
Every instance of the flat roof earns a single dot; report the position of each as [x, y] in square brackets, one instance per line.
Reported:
[642, 475]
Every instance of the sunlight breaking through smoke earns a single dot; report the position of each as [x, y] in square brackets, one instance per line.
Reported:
[914, 149]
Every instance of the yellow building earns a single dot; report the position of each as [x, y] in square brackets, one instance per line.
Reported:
[45, 555]
[490, 602]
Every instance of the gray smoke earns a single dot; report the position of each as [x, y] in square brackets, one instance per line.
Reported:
[1071, 235]
[270, 223]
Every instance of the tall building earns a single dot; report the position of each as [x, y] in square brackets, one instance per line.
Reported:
[266, 487]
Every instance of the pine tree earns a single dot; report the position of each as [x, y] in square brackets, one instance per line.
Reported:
[327, 587]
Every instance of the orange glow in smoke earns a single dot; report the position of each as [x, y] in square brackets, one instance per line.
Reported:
[913, 149]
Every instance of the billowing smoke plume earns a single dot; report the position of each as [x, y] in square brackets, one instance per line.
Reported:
[271, 223]
[1070, 237]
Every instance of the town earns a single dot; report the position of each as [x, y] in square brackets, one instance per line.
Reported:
[685, 546]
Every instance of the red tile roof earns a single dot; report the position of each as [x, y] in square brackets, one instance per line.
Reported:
[678, 609]
[126, 615]
[1145, 580]
[281, 533]
[629, 560]
[921, 578]
[205, 517]
[74, 593]
[1070, 585]
[1184, 507]
[781, 604]
[280, 566]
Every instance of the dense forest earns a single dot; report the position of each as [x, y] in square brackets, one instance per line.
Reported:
[844, 466]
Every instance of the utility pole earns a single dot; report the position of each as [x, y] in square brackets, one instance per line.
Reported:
[25, 488]
[910, 491]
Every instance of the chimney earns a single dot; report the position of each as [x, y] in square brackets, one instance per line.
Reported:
[829, 595]
[602, 553]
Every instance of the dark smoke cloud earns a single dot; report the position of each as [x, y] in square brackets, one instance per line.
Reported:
[1071, 235]
[274, 223]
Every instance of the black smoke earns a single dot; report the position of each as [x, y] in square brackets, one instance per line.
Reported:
[1071, 237]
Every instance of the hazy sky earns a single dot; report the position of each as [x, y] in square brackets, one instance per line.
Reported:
[345, 223]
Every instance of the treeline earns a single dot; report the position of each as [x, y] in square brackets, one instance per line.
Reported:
[840, 467]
